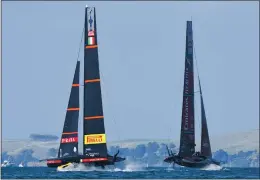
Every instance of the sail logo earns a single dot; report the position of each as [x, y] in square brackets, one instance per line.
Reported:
[186, 114]
[186, 81]
[95, 139]
[91, 18]
[69, 140]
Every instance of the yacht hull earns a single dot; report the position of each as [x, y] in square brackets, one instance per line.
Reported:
[191, 162]
[56, 162]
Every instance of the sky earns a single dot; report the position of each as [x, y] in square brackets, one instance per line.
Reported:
[141, 55]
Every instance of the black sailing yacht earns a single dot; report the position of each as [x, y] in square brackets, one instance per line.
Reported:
[187, 155]
[94, 137]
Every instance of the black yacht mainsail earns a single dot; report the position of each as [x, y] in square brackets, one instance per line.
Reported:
[68, 148]
[94, 137]
[69, 137]
[187, 139]
[94, 129]
[187, 155]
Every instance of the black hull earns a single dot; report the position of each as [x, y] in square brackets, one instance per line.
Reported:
[196, 164]
[54, 163]
[191, 163]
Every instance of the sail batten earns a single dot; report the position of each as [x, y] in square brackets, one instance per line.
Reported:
[69, 137]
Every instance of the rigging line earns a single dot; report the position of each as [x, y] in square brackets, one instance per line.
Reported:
[117, 129]
[78, 56]
[195, 57]
[80, 122]
[80, 42]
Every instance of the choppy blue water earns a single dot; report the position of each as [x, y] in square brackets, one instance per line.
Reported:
[129, 173]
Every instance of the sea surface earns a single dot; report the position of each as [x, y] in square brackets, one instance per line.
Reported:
[129, 172]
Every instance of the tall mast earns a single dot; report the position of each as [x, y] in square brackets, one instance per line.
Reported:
[94, 137]
[187, 138]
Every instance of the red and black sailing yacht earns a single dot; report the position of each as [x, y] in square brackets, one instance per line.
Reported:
[94, 136]
[187, 155]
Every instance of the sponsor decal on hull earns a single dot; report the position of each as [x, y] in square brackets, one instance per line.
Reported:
[93, 160]
[92, 154]
[186, 113]
[55, 161]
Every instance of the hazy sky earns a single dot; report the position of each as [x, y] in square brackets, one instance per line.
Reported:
[141, 53]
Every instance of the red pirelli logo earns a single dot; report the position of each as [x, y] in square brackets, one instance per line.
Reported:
[69, 140]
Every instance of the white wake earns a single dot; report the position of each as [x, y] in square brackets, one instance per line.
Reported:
[212, 167]
[79, 167]
[129, 167]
